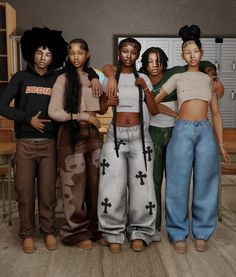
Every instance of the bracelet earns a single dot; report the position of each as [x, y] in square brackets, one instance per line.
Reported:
[145, 88]
[221, 144]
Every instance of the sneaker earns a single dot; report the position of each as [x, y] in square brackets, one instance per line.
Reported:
[137, 245]
[180, 247]
[50, 242]
[28, 246]
[200, 245]
[115, 247]
[86, 244]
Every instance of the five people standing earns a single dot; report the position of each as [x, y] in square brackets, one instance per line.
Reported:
[117, 200]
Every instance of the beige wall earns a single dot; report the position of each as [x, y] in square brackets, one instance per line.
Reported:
[98, 21]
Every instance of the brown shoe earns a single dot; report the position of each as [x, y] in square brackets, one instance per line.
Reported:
[28, 246]
[180, 247]
[115, 247]
[102, 242]
[137, 245]
[86, 244]
[200, 245]
[50, 242]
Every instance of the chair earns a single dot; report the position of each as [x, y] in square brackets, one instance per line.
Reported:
[7, 165]
[229, 138]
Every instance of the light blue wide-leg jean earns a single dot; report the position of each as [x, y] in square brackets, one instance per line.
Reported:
[192, 148]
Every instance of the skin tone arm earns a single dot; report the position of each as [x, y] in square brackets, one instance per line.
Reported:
[38, 123]
[218, 88]
[94, 120]
[96, 87]
[166, 110]
[162, 94]
[150, 100]
[217, 126]
[107, 101]
[112, 87]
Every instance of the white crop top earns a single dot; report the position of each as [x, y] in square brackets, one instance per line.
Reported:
[190, 85]
[128, 93]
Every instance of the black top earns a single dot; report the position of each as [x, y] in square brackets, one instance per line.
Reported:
[31, 93]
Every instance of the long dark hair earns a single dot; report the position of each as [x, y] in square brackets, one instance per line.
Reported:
[137, 45]
[73, 88]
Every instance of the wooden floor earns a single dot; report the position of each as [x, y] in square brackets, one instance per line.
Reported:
[159, 259]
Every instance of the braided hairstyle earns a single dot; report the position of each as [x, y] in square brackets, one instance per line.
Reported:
[145, 56]
[137, 45]
[73, 88]
[44, 37]
[114, 111]
[190, 33]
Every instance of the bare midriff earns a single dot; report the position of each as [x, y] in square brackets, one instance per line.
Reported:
[194, 110]
[126, 119]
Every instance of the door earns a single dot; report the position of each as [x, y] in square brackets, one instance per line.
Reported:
[228, 78]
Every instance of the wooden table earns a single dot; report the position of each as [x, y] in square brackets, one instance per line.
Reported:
[7, 149]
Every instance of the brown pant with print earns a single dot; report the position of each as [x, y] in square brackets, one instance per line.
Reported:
[79, 172]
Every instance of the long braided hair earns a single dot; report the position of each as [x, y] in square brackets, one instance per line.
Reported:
[73, 89]
[123, 42]
[141, 114]
[114, 112]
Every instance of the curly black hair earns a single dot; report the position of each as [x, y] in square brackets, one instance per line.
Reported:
[44, 37]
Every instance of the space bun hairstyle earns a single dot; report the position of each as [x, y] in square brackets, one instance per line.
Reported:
[190, 33]
[44, 37]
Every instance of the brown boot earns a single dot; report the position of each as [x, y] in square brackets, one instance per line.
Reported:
[86, 244]
[50, 242]
[137, 245]
[115, 247]
[200, 245]
[180, 247]
[28, 246]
